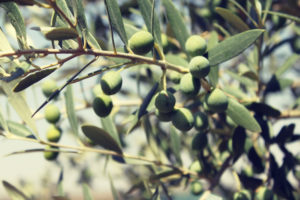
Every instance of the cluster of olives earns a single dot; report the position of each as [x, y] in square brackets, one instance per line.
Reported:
[52, 115]
[111, 83]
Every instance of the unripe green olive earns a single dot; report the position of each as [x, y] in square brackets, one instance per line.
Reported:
[165, 42]
[242, 195]
[263, 193]
[52, 113]
[199, 142]
[48, 87]
[196, 167]
[53, 133]
[183, 119]
[199, 67]
[102, 105]
[217, 101]
[197, 188]
[60, 33]
[189, 85]
[50, 155]
[111, 82]
[175, 77]
[141, 42]
[201, 121]
[165, 101]
[195, 45]
[164, 117]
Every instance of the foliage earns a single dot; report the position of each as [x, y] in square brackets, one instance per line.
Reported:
[205, 76]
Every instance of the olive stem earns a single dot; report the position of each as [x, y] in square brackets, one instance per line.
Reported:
[94, 52]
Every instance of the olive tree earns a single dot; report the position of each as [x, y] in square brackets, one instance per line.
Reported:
[195, 78]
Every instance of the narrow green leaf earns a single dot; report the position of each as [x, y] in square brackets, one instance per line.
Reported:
[3, 123]
[82, 24]
[4, 45]
[175, 143]
[264, 109]
[19, 103]
[284, 15]
[177, 23]
[143, 108]
[238, 142]
[115, 18]
[287, 64]
[113, 189]
[241, 116]
[146, 11]
[214, 70]
[13, 192]
[213, 197]
[86, 192]
[109, 126]
[70, 108]
[243, 80]
[18, 129]
[63, 6]
[16, 19]
[101, 137]
[232, 19]
[232, 46]
[32, 79]
[177, 60]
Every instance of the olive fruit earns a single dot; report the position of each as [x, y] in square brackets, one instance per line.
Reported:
[197, 188]
[199, 142]
[196, 167]
[48, 87]
[242, 195]
[201, 121]
[141, 42]
[175, 77]
[263, 193]
[199, 67]
[53, 133]
[195, 45]
[165, 101]
[52, 113]
[164, 117]
[216, 101]
[50, 155]
[189, 85]
[59, 33]
[102, 105]
[183, 119]
[165, 42]
[111, 82]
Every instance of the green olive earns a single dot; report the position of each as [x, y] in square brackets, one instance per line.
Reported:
[199, 67]
[102, 105]
[53, 133]
[165, 42]
[165, 101]
[141, 42]
[201, 121]
[217, 101]
[189, 85]
[111, 82]
[52, 113]
[175, 77]
[183, 119]
[197, 188]
[50, 155]
[48, 87]
[195, 45]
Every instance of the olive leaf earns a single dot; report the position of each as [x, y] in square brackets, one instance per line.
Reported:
[233, 46]
[32, 79]
[241, 116]
[101, 137]
[177, 23]
[13, 192]
[72, 118]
